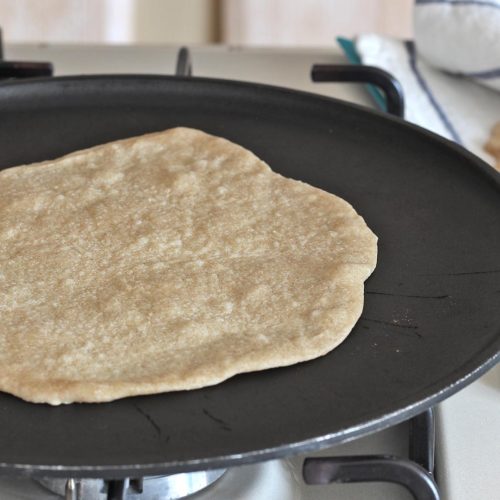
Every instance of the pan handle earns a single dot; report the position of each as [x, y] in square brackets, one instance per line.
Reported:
[364, 74]
[184, 66]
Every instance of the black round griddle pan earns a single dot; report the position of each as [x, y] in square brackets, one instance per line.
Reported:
[431, 321]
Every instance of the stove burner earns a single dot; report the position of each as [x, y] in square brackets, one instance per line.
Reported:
[171, 487]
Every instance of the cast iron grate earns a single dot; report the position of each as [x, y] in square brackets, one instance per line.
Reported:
[415, 473]
[22, 69]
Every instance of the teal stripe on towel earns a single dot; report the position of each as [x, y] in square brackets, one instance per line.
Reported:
[352, 55]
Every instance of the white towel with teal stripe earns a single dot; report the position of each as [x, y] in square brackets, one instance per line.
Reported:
[461, 37]
[452, 106]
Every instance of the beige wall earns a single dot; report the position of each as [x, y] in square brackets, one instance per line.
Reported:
[312, 22]
[52, 20]
[175, 21]
[97, 21]
[252, 22]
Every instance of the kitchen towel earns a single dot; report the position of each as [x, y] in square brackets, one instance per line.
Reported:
[460, 36]
[452, 106]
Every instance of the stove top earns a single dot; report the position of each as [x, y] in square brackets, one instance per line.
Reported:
[465, 460]
[276, 479]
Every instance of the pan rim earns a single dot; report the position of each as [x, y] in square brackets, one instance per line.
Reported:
[251, 457]
[116, 78]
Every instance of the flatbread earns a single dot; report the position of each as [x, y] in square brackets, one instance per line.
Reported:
[493, 145]
[168, 261]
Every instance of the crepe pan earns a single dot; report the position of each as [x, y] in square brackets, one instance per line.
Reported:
[431, 319]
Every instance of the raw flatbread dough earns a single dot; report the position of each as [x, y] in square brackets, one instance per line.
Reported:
[493, 145]
[168, 261]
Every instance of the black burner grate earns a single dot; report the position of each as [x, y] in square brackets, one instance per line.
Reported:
[22, 69]
[415, 473]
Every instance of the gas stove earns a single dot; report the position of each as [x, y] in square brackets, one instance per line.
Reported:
[377, 466]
